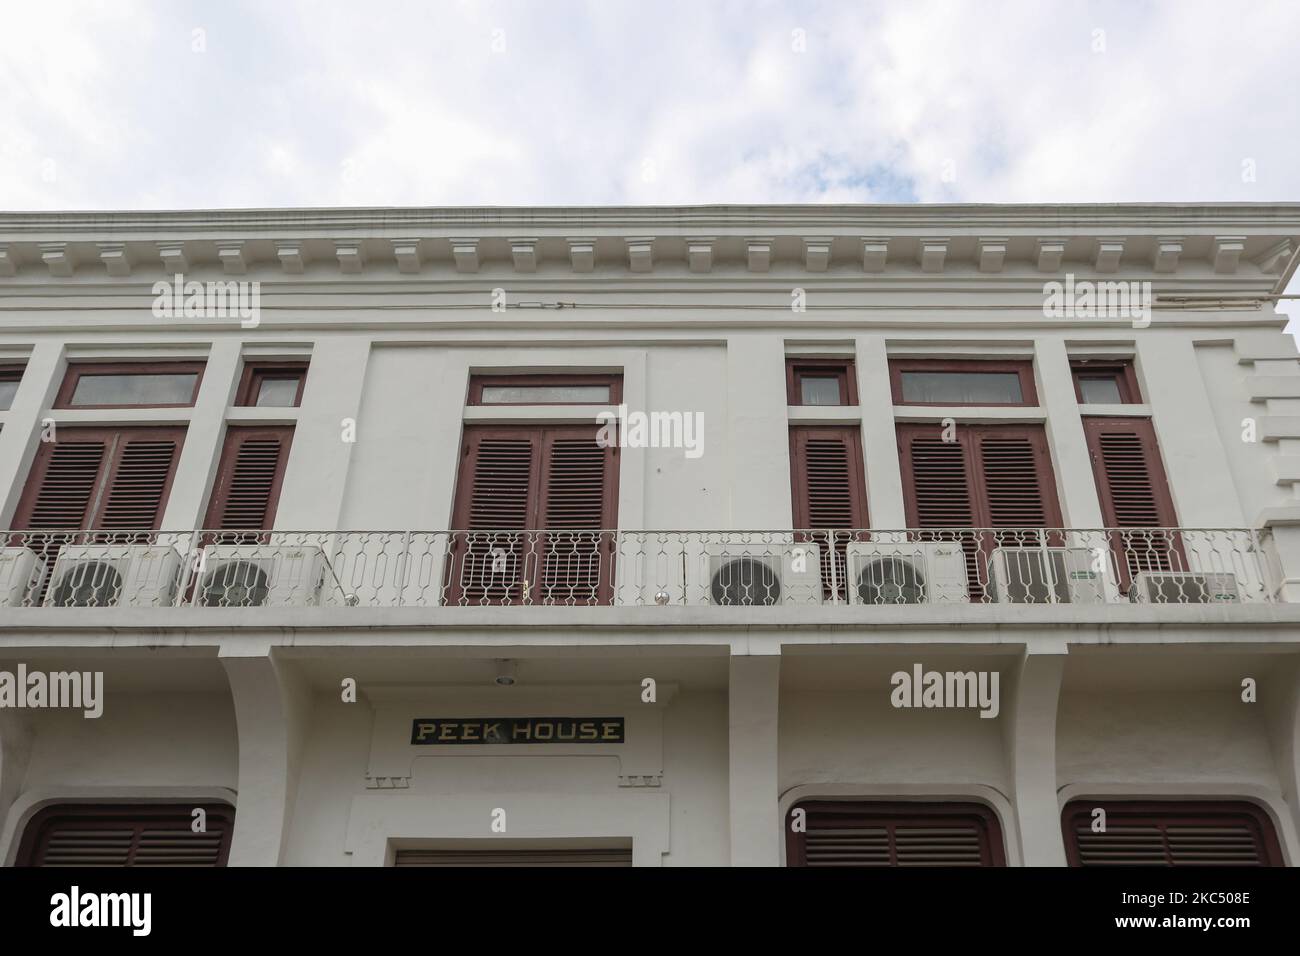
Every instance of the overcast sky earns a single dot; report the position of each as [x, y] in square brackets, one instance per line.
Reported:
[111, 105]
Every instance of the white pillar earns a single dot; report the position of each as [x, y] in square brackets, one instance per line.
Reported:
[1071, 461]
[272, 710]
[879, 439]
[753, 783]
[316, 479]
[1030, 741]
[15, 751]
[21, 434]
[188, 502]
[758, 442]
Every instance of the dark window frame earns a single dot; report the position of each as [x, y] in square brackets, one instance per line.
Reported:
[1024, 368]
[94, 816]
[12, 373]
[77, 370]
[1123, 372]
[900, 810]
[477, 382]
[842, 368]
[1199, 811]
[255, 373]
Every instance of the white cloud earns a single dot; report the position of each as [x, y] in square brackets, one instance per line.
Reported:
[108, 105]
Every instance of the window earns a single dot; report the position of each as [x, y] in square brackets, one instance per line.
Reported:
[545, 390]
[1105, 383]
[272, 386]
[820, 382]
[127, 835]
[988, 476]
[111, 479]
[247, 489]
[1134, 494]
[1174, 833]
[927, 382]
[10, 376]
[901, 833]
[515, 483]
[167, 385]
[985, 477]
[829, 495]
[595, 856]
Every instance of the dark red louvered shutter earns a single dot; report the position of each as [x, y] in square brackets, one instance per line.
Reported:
[249, 477]
[1014, 483]
[579, 494]
[517, 482]
[986, 477]
[143, 466]
[127, 835]
[110, 479]
[937, 487]
[828, 495]
[64, 481]
[1134, 494]
[495, 495]
[856, 834]
[1130, 477]
[1174, 833]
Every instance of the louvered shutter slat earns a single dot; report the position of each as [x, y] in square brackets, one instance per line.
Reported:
[850, 834]
[247, 491]
[1172, 834]
[829, 496]
[495, 493]
[137, 487]
[548, 493]
[120, 835]
[1014, 494]
[941, 485]
[575, 499]
[1134, 494]
[63, 493]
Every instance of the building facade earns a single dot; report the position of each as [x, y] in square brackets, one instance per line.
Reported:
[701, 536]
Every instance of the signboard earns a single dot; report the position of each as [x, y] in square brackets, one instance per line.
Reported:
[476, 731]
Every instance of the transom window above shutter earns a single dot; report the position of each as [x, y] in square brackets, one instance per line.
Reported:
[247, 490]
[127, 835]
[828, 493]
[516, 483]
[1175, 833]
[859, 834]
[101, 478]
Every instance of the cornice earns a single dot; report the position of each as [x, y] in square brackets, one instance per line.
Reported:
[1256, 244]
[1068, 217]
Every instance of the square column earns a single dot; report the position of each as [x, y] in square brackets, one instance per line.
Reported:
[753, 783]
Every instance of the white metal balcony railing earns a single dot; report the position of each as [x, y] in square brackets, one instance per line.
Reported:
[206, 569]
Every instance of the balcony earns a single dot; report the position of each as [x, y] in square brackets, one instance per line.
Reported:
[859, 570]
